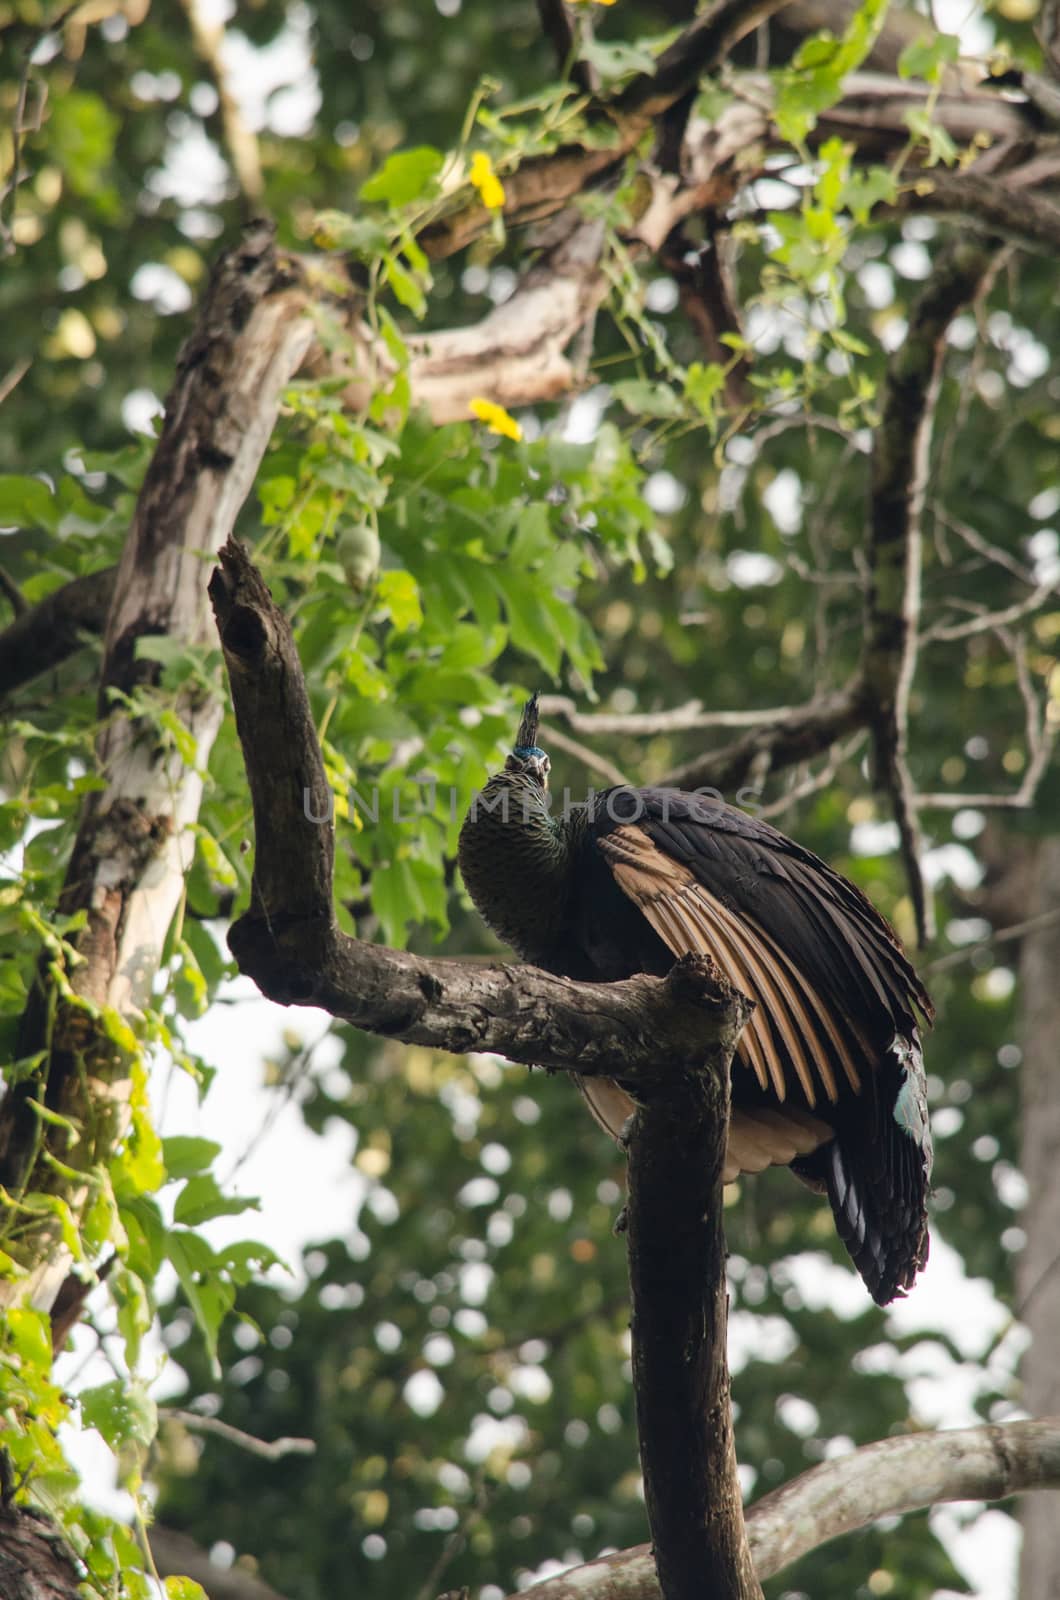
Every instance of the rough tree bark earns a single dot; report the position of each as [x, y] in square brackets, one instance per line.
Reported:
[676, 1242]
[35, 1564]
[1038, 1275]
[133, 845]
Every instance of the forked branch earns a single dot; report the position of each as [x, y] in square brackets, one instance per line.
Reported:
[289, 942]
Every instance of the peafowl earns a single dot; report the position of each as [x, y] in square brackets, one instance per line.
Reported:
[828, 1075]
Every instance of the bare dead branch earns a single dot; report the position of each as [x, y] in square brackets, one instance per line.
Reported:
[11, 380]
[897, 1476]
[986, 621]
[542, 185]
[587, 757]
[900, 460]
[679, 1031]
[976, 541]
[890, 1478]
[878, 104]
[968, 952]
[517, 354]
[799, 735]
[267, 1449]
[45, 635]
[1006, 209]
[560, 31]
[842, 752]
[678, 719]
[240, 140]
[177, 1555]
[700, 49]
[679, 1316]
[1041, 730]
[704, 279]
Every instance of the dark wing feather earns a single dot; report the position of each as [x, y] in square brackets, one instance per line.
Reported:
[836, 1025]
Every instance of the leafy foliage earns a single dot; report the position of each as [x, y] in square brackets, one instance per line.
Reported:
[459, 1352]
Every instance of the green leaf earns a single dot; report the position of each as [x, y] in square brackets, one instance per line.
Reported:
[208, 1295]
[135, 1312]
[399, 595]
[247, 1259]
[54, 1205]
[703, 387]
[406, 287]
[185, 1154]
[183, 1589]
[146, 1233]
[200, 1199]
[357, 236]
[531, 627]
[940, 146]
[122, 1411]
[867, 188]
[83, 132]
[814, 81]
[642, 398]
[101, 1222]
[26, 503]
[396, 899]
[616, 61]
[927, 55]
[30, 1335]
[405, 176]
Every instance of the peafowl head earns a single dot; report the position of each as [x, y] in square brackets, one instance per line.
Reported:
[527, 759]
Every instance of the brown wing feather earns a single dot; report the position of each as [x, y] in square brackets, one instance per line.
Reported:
[758, 1138]
[686, 917]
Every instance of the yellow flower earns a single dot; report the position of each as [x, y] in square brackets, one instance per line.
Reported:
[486, 181]
[593, 2]
[496, 418]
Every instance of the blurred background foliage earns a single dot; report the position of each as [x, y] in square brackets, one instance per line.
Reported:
[459, 1349]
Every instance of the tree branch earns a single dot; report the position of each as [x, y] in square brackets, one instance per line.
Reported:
[679, 1301]
[46, 634]
[177, 1556]
[890, 1478]
[267, 1449]
[798, 735]
[35, 1561]
[544, 184]
[561, 33]
[1005, 209]
[290, 944]
[900, 1475]
[900, 463]
[241, 142]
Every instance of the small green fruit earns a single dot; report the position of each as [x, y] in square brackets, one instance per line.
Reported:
[358, 553]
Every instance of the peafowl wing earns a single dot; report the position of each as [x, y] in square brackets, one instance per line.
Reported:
[833, 1079]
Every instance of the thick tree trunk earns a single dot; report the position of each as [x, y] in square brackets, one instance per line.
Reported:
[1039, 1271]
[35, 1564]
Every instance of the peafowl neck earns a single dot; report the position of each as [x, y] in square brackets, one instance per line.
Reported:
[516, 863]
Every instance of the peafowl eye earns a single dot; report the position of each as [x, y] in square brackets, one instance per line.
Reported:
[828, 1075]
